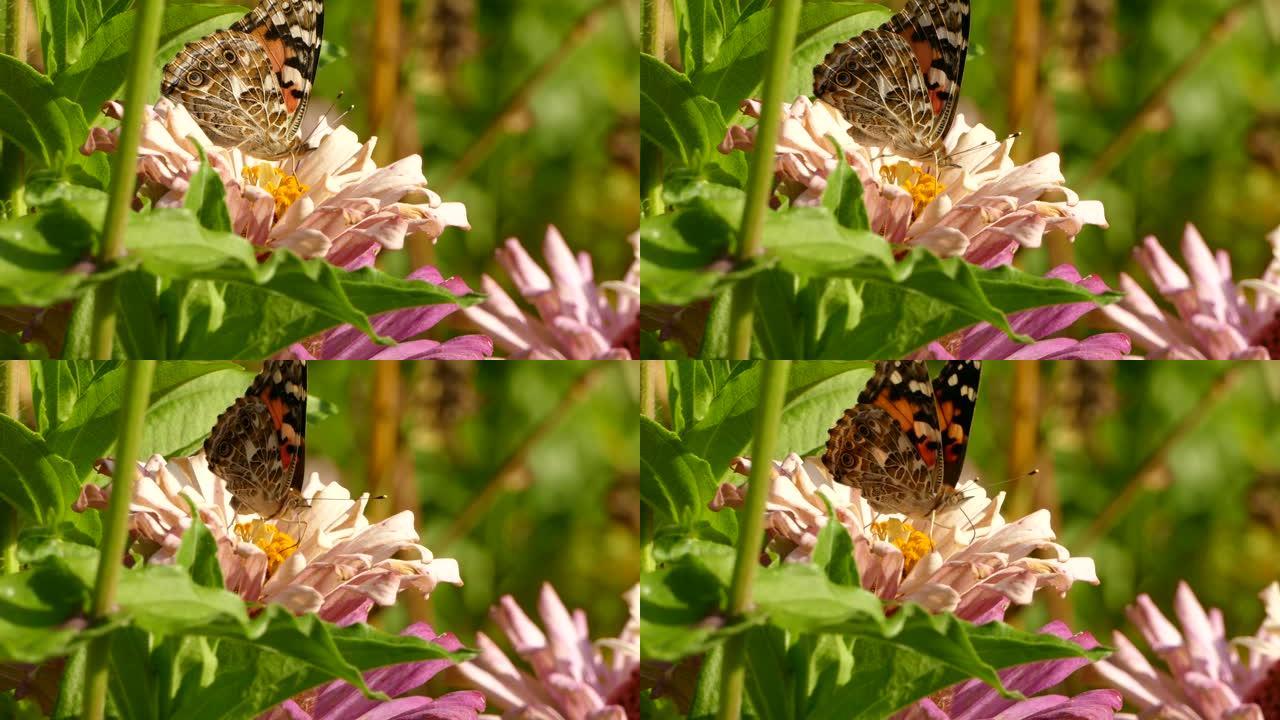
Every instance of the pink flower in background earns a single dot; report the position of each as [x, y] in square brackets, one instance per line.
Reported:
[338, 565]
[332, 202]
[573, 678]
[973, 562]
[349, 343]
[986, 342]
[974, 700]
[340, 701]
[575, 318]
[983, 209]
[1204, 677]
[1212, 317]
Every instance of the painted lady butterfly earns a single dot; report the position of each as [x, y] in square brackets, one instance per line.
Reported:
[898, 84]
[903, 444]
[258, 445]
[248, 86]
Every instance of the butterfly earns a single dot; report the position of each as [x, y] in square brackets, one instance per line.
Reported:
[898, 85]
[903, 444]
[258, 444]
[249, 86]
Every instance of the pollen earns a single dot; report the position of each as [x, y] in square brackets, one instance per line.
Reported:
[923, 187]
[913, 543]
[276, 543]
[285, 188]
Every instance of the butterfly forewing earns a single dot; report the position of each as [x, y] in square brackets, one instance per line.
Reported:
[956, 393]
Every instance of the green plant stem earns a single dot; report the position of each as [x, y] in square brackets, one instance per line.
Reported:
[115, 529]
[10, 522]
[146, 35]
[751, 530]
[782, 37]
[11, 159]
[651, 43]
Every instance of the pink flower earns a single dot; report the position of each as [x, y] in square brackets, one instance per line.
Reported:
[974, 700]
[349, 343]
[341, 701]
[332, 202]
[1212, 318]
[575, 319]
[985, 342]
[338, 565]
[572, 678]
[1206, 679]
[982, 208]
[968, 560]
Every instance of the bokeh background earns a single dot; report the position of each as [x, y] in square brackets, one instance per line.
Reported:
[1167, 112]
[526, 111]
[524, 472]
[1159, 471]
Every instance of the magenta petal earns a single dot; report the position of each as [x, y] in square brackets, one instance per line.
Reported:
[467, 347]
[1090, 705]
[341, 700]
[349, 343]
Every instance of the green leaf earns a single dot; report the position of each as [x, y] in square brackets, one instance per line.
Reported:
[844, 196]
[738, 69]
[99, 73]
[725, 430]
[207, 197]
[674, 482]
[36, 117]
[198, 552]
[38, 483]
[186, 398]
[674, 116]
[64, 27]
[834, 552]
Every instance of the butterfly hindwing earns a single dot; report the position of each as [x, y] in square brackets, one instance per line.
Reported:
[955, 391]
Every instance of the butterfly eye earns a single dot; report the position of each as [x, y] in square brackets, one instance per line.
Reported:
[195, 78]
[844, 78]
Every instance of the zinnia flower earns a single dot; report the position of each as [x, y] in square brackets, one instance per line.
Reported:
[338, 566]
[982, 206]
[1212, 318]
[340, 700]
[974, 700]
[572, 679]
[968, 560]
[986, 342]
[332, 202]
[575, 319]
[349, 343]
[1206, 678]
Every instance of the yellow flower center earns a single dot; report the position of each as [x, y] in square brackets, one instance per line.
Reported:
[285, 188]
[923, 187]
[276, 543]
[913, 543]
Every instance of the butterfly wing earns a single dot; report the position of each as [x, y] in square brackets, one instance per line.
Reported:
[938, 34]
[291, 32]
[956, 393]
[249, 86]
[898, 85]
[258, 444]
[867, 449]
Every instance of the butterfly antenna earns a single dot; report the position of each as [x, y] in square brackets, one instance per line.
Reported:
[1025, 476]
[982, 146]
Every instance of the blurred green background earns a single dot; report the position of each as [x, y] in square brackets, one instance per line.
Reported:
[565, 153]
[524, 472]
[1159, 471]
[1206, 152]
